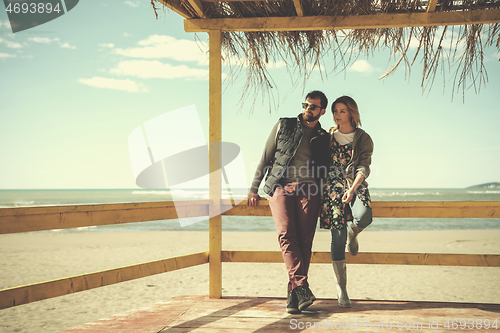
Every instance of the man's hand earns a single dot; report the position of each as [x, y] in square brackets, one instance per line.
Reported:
[253, 199]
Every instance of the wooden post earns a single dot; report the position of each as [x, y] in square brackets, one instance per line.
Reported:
[431, 6]
[215, 226]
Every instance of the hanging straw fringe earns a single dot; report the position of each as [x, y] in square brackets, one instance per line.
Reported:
[251, 53]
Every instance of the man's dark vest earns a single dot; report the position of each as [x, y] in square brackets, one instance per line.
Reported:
[288, 140]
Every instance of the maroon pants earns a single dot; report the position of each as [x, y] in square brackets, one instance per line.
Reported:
[295, 208]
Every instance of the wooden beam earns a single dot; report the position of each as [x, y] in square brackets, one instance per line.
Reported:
[396, 209]
[298, 7]
[198, 7]
[308, 23]
[431, 6]
[252, 256]
[26, 219]
[242, 209]
[432, 259]
[437, 209]
[212, 1]
[176, 7]
[44, 290]
[215, 195]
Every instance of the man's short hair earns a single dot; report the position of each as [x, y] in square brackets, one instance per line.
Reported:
[318, 94]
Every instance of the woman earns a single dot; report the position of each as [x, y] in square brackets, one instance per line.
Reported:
[345, 195]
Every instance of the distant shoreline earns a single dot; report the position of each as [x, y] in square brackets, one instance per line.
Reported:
[493, 185]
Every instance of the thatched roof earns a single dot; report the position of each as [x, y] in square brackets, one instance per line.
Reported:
[449, 35]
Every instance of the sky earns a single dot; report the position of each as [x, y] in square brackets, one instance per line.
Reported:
[75, 88]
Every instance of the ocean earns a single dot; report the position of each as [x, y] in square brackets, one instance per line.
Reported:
[23, 198]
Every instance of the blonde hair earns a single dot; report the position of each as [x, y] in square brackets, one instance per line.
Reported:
[352, 107]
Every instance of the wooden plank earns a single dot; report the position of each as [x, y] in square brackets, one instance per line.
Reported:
[176, 7]
[62, 217]
[44, 290]
[437, 209]
[95, 207]
[308, 23]
[198, 7]
[212, 1]
[215, 125]
[431, 6]
[380, 258]
[432, 259]
[252, 256]
[298, 7]
[26, 219]
[396, 209]
[242, 210]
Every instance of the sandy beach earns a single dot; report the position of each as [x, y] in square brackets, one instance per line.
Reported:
[34, 257]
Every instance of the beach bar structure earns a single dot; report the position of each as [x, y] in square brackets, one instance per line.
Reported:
[217, 18]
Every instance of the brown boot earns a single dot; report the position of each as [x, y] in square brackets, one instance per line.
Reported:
[352, 241]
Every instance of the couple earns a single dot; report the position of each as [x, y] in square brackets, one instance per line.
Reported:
[312, 172]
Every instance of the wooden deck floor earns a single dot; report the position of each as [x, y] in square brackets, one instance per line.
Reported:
[240, 314]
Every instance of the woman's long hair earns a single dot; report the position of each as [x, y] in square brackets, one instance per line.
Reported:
[352, 107]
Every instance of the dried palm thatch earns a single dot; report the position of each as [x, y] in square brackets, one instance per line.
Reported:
[456, 51]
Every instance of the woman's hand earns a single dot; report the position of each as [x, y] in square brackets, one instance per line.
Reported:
[351, 192]
[348, 195]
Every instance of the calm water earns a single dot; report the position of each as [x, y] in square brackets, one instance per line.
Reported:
[22, 198]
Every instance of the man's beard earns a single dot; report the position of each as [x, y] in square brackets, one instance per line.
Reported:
[309, 118]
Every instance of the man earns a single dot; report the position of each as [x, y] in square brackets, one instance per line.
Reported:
[295, 159]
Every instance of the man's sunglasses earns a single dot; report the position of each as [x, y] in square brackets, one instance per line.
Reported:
[311, 106]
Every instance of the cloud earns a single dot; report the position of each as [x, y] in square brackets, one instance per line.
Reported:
[449, 42]
[125, 85]
[147, 69]
[5, 24]
[43, 40]
[245, 62]
[159, 47]
[6, 55]
[67, 46]
[361, 66]
[108, 45]
[132, 3]
[315, 67]
[277, 64]
[11, 45]
[493, 56]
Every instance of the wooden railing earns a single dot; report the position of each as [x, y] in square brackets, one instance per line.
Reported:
[14, 220]
[25, 219]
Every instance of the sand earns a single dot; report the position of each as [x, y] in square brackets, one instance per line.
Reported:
[35, 257]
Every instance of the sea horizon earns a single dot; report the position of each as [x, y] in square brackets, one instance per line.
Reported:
[34, 197]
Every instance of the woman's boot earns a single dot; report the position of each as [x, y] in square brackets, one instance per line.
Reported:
[339, 268]
[352, 241]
